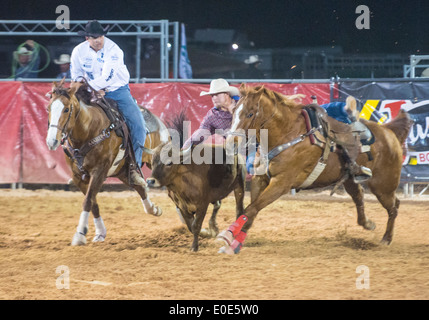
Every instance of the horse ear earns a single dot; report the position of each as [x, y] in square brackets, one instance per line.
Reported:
[62, 81]
[260, 90]
[74, 87]
[243, 88]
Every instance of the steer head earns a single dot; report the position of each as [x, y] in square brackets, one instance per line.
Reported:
[167, 164]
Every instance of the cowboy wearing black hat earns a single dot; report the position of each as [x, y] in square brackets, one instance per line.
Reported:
[101, 62]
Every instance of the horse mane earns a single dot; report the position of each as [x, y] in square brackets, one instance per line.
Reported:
[61, 91]
[400, 125]
[83, 94]
[276, 97]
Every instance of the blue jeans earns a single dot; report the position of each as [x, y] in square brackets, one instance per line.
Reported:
[249, 163]
[337, 111]
[133, 118]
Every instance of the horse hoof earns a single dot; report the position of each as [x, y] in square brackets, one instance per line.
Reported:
[226, 250]
[207, 233]
[79, 239]
[226, 237]
[369, 225]
[155, 211]
[99, 238]
[385, 242]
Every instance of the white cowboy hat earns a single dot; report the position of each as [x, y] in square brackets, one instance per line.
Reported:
[24, 51]
[221, 85]
[252, 59]
[64, 58]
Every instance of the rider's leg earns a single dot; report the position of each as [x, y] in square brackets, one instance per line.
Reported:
[360, 173]
[136, 125]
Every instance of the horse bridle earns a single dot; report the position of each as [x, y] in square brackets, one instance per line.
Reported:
[243, 135]
[63, 129]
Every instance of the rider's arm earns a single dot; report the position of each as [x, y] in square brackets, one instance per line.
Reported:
[76, 70]
[205, 130]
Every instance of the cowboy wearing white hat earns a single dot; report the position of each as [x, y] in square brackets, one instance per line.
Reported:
[253, 59]
[221, 86]
[64, 58]
[220, 116]
[26, 61]
[252, 71]
[64, 65]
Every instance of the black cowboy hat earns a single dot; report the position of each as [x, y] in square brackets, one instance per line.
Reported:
[93, 29]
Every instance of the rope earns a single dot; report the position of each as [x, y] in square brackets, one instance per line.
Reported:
[35, 56]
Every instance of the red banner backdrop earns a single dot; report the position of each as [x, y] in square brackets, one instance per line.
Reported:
[24, 156]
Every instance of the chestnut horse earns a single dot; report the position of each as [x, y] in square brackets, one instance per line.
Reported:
[80, 123]
[261, 108]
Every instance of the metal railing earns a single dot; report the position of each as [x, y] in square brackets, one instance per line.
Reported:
[158, 29]
[410, 69]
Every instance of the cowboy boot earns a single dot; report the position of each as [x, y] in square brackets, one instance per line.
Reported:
[359, 173]
[351, 108]
[137, 179]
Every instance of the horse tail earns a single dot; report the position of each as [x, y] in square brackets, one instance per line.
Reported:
[401, 125]
[176, 123]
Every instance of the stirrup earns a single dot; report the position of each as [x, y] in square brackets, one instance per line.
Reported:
[137, 179]
[364, 175]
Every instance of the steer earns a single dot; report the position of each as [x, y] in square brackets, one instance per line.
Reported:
[193, 185]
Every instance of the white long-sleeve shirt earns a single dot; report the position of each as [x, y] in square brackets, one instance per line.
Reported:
[104, 69]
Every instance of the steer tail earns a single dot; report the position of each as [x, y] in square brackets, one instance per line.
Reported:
[401, 125]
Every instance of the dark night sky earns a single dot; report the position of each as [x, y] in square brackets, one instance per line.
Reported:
[395, 26]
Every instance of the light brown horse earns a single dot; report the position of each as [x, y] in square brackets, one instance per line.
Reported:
[84, 125]
[261, 108]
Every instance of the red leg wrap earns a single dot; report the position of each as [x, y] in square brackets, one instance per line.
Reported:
[238, 242]
[235, 228]
[241, 237]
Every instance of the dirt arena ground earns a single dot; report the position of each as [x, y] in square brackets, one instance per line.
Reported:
[306, 246]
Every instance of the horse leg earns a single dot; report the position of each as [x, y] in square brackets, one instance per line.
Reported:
[79, 238]
[257, 185]
[235, 235]
[148, 206]
[100, 229]
[355, 190]
[89, 204]
[213, 229]
[391, 203]
[239, 197]
[392, 213]
[90, 201]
